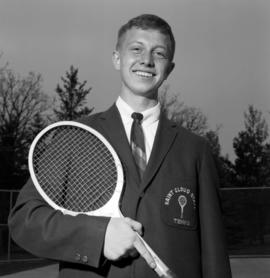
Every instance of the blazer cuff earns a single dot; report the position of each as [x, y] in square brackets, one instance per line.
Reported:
[90, 241]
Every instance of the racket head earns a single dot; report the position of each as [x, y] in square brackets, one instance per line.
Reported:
[77, 186]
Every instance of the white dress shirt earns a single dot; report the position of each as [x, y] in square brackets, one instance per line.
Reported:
[149, 122]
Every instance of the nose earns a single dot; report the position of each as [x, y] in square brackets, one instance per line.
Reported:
[147, 59]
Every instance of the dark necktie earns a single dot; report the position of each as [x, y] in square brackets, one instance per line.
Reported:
[137, 143]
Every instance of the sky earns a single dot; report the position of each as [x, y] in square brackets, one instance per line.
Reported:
[222, 50]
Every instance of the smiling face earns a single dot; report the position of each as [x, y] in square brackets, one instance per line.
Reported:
[143, 59]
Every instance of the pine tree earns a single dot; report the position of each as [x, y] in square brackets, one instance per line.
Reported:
[72, 97]
[224, 166]
[252, 150]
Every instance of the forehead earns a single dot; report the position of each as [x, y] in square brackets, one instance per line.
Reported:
[150, 37]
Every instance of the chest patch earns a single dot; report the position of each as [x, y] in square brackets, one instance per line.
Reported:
[179, 207]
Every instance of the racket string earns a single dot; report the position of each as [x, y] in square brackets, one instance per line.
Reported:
[75, 168]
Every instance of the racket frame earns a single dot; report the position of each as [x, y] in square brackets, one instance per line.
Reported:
[111, 208]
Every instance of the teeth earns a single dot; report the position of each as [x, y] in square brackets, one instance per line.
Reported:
[144, 74]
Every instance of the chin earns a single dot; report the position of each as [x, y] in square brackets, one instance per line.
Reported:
[146, 93]
[144, 90]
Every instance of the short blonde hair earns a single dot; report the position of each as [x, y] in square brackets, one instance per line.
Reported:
[145, 22]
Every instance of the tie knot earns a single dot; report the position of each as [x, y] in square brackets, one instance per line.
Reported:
[137, 116]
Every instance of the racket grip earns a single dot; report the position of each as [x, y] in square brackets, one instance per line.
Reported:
[169, 274]
[161, 268]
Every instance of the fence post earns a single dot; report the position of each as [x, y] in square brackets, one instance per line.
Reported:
[9, 237]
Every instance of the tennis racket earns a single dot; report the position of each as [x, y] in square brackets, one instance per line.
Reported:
[76, 170]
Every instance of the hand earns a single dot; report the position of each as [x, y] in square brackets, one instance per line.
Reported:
[121, 240]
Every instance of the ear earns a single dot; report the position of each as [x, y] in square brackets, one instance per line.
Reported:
[116, 59]
[170, 68]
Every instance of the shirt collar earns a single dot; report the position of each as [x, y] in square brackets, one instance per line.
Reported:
[150, 115]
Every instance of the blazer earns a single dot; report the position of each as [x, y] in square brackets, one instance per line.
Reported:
[176, 202]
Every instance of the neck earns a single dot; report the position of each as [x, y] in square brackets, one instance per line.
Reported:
[139, 103]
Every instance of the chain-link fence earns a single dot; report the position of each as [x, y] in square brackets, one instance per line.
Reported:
[246, 214]
[9, 250]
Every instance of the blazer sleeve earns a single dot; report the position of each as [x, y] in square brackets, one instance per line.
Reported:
[215, 261]
[48, 233]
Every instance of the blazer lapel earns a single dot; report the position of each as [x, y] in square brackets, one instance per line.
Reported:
[114, 131]
[164, 139]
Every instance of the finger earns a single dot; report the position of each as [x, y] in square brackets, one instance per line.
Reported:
[136, 226]
[138, 244]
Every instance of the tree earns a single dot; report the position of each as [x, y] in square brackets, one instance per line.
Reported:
[39, 123]
[194, 120]
[2, 67]
[252, 150]
[252, 167]
[225, 168]
[72, 97]
[21, 100]
[191, 118]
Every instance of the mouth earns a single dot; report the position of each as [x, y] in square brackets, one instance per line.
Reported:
[145, 74]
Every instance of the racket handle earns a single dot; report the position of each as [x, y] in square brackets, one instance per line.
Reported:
[161, 268]
[169, 274]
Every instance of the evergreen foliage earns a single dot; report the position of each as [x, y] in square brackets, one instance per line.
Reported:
[72, 96]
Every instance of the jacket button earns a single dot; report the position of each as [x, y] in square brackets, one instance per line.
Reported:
[84, 259]
[77, 257]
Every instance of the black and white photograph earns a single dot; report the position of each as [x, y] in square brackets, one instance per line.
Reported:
[134, 138]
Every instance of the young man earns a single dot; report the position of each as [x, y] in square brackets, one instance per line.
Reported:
[170, 182]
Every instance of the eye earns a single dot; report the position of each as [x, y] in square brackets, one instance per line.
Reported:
[160, 54]
[136, 49]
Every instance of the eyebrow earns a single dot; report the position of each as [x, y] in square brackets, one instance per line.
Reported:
[155, 47]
